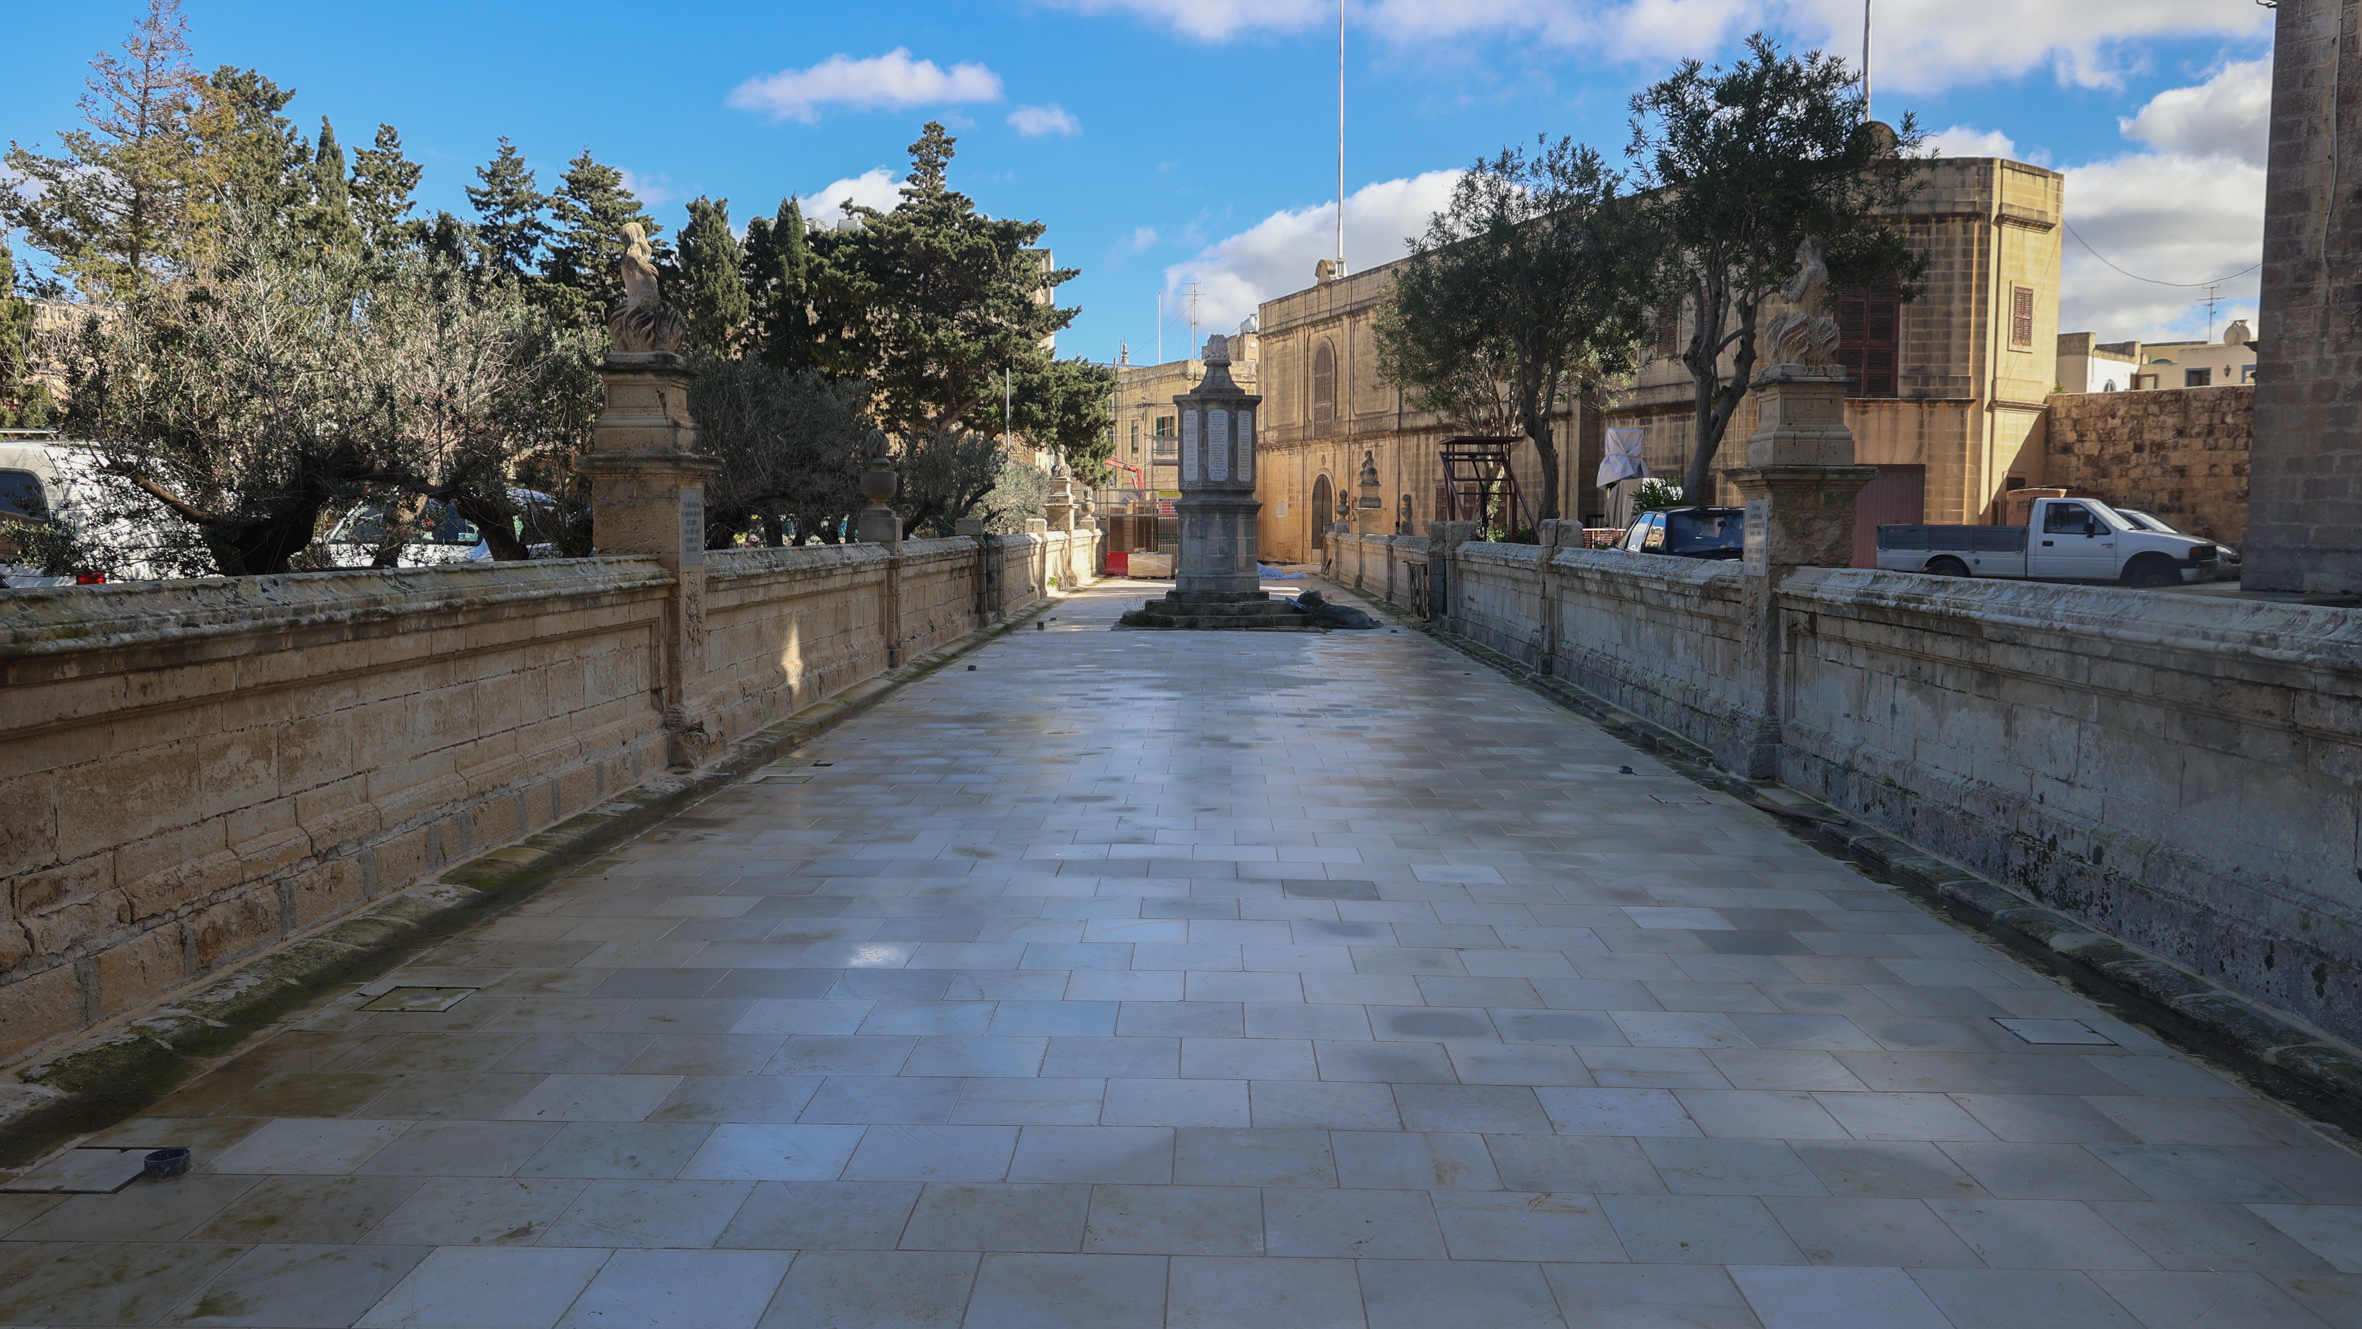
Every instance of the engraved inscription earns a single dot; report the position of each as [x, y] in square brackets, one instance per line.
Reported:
[1758, 537]
[1246, 447]
[692, 528]
[1189, 445]
[1217, 445]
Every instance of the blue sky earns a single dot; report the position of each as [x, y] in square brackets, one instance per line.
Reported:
[1165, 142]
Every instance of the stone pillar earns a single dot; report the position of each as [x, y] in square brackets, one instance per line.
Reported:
[1369, 509]
[1798, 486]
[1555, 535]
[1444, 539]
[878, 524]
[648, 496]
[1060, 508]
[2304, 510]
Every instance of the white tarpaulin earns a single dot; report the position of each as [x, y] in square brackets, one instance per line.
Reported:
[1623, 460]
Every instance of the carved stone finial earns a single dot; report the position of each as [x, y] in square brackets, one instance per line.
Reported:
[644, 322]
[1217, 350]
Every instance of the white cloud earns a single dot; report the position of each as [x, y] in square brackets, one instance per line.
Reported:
[892, 81]
[652, 190]
[1922, 45]
[2190, 210]
[2227, 115]
[1035, 121]
[1276, 255]
[1969, 141]
[877, 188]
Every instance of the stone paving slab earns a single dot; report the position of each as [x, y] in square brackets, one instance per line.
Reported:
[1193, 980]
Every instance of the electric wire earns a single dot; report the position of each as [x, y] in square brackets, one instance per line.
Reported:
[2154, 281]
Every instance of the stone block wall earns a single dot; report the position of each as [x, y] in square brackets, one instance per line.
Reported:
[2178, 771]
[193, 771]
[190, 771]
[2180, 453]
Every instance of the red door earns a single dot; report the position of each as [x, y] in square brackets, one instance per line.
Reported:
[1898, 497]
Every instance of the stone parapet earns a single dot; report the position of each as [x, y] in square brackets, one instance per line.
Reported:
[192, 772]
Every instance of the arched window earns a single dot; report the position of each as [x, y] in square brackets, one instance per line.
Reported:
[1322, 498]
[1324, 389]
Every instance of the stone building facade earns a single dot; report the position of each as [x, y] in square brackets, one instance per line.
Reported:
[1326, 407]
[1951, 386]
[1949, 402]
[1148, 425]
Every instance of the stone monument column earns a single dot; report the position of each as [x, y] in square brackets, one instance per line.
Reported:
[1216, 579]
[648, 486]
[1369, 509]
[1799, 486]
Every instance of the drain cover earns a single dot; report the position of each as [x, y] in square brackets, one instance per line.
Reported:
[419, 999]
[2057, 1031]
[84, 1172]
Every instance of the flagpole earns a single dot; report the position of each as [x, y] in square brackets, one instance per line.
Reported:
[1341, 137]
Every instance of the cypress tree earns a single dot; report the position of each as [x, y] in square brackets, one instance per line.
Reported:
[787, 323]
[508, 211]
[332, 194]
[713, 290]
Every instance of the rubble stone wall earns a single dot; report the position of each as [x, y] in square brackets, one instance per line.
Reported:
[2176, 453]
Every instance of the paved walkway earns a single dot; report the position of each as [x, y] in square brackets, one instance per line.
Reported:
[1206, 980]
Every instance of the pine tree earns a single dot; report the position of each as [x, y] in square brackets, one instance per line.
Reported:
[383, 182]
[112, 210]
[508, 211]
[588, 214]
[712, 291]
[251, 158]
[24, 401]
[331, 213]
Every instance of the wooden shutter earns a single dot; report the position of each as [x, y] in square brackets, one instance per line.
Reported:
[1869, 332]
[1324, 389]
[2021, 316]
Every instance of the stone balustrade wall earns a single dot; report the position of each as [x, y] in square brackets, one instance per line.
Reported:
[2178, 771]
[193, 771]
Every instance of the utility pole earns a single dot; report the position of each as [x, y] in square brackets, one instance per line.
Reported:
[1193, 316]
[1160, 327]
[1008, 400]
[1341, 136]
[1865, 60]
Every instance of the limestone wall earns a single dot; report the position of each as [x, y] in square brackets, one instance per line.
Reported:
[2181, 453]
[2178, 771]
[190, 771]
[193, 771]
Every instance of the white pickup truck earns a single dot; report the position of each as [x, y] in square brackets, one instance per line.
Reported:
[2064, 539]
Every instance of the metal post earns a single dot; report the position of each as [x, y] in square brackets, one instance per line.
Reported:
[1865, 60]
[1341, 136]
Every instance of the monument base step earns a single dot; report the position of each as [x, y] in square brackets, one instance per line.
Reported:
[1220, 614]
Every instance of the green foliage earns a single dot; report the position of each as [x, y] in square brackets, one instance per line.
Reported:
[110, 209]
[779, 288]
[790, 444]
[330, 216]
[509, 207]
[24, 401]
[382, 185]
[1745, 164]
[1525, 289]
[947, 476]
[712, 288]
[1067, 405]
[587, 215]
[932, 300]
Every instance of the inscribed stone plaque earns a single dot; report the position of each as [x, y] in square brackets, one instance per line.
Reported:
[1189, 445]
[692, 528]
[1218, 445]
[1246, 445]
[1758, 559]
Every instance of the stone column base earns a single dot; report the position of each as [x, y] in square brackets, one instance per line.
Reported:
[1799, 515]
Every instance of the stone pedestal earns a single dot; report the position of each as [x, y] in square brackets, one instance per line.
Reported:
[1216, 581]
[1798, 486]
[648, 495]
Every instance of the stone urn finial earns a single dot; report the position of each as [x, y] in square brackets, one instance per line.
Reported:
[877, 523]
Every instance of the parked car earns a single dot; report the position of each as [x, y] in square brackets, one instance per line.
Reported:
[44, 479]
[442, 535]
[2226, 559]
[2065, 539]
[1696, 532]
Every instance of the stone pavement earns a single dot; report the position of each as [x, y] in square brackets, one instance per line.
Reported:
[1173, 979]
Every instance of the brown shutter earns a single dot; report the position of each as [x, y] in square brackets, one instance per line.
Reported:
[2021, 316]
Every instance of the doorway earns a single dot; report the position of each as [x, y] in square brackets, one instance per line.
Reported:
[1898, 497]
[1323, 498]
